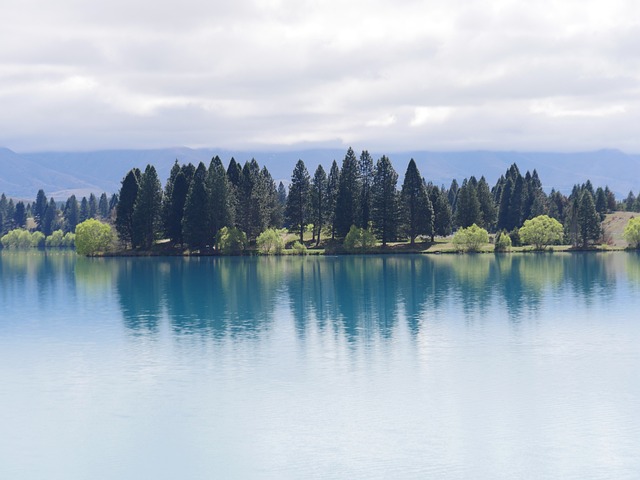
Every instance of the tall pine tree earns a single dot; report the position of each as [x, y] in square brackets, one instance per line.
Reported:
[417, 211]
[384, 201]
[298, 205]
[124, 208]
[147, 210]
[348, 199]
[195, 225]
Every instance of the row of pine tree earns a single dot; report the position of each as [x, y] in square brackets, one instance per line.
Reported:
[197, 202]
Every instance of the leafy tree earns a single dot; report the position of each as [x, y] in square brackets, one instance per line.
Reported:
[541, 231]
[318, 202]
[347, 200]
[470, 238]
[333, 183]
[55, 240]
[503, 242]
[195, 225]
[231, 241]
[384, 199]
[17, 238]
[124, 208]
[417, 211]
[365, 176]
[93, 237]
[298, 208]
[359, 240]
[270, 242]
[632, 232]
[298, 248]
[147, 210]
[38, 239]
[588, 219]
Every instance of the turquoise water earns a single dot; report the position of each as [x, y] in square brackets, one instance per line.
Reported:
[448, 367]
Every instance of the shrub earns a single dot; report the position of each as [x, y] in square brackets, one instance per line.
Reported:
[93, 237]
[632, 232]
[502, 242]
[55, 240]
[541, 231]
[359, 240]
[298, 248]
[270, 241]
[470, 238]
[37, 240]
[231, 241]
[17, 238]
[69, 240]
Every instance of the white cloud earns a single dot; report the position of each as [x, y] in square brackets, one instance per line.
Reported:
[503, 74]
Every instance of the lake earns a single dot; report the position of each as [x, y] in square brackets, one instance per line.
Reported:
[448, 367]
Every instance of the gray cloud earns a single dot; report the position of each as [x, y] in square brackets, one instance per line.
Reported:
[498, 74]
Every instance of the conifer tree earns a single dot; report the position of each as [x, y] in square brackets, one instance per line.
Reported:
[20, 215]
[468, 211]
[103, 206]
[39, 208]
[442, 222]
[124, 207]
[167, 198]
[195, 225]
[348, 195]
[282, 204]
[93, 206]
[271, 200]
[417, 211]
[601, 202]
[175, 206]
[84, 210]
[384, 201]
[365, 176]
[298, 206]
[147, 210]
[318, 202]
[50, 217]
[333, 182]
[452, 195]
[588, 218]
[220, 197]
[488, 210]
[71, 214]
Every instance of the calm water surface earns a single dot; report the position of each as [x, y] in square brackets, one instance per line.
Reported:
[448, 367]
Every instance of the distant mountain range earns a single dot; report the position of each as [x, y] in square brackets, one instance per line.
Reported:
[60, 174]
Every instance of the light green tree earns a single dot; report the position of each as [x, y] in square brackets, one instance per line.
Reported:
[632, 232]
[231, 241]
[359, 240]
[270, 242]
[503, 242]
[93, 237]
[470, 238]
[541, 231]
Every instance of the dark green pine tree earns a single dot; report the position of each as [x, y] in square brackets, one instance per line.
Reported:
[487, 205]
[103, 206]
[195, 225]
[601, 202]
[271, 199]
[452, 195]
[93, 206]
[588, 219]
[348, 200]
[113, 203]
[333, 182]
[71, 214]
[318, 202]
[468, 211]
[124, 207]
[417, 211]
[175, 212]
[167, 198]
[298, 205]
[558, 204]
[629, 202]
[3, 223]
[442, 223]
[147, 210]
[253, 212]
[518, 197]
[39, 208]
[384, 201]
[611, 199]
[84, 210]
[365, 176]
[9, 215]
[282, 204]
[221, 203]
[50, 218]
[20, 215]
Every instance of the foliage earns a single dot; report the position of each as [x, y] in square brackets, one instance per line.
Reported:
[220, 197]
[470, 238]
[38, 240]
[318, 202]
[417, 210]
[384, 201]
[93, 237]
[502, 242]
[468, 206]
[195, 225]
[231, 241]
[359, 240]
[298, 248]
[124, 208]
[632, 232]
[147, 209]
[17, 238]
[270, 242]
[298, 206]
[541, 231]
[69, 240]
[55, 240]
[589, 229]
[347, 200]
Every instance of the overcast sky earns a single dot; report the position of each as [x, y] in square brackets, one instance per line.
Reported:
[560, 75]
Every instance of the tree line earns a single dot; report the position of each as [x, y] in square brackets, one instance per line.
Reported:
[197, 202]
